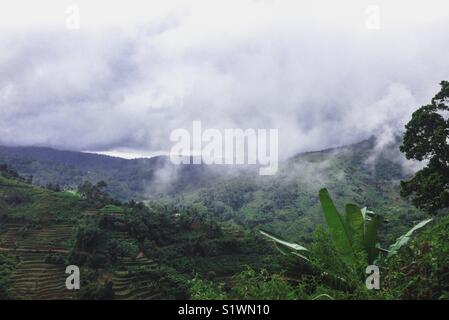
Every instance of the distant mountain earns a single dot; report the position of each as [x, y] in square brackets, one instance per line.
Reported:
[286, 203]
[146, 177]
[80, 160]
[138, 178]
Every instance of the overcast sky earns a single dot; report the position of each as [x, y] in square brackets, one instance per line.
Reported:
[323, 72]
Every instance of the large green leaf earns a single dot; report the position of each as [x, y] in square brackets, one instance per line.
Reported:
[355, 223]
[338, 229]
[370, 240]
[290, 245]
[402, 240]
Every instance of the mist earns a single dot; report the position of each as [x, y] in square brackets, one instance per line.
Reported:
[132, 74]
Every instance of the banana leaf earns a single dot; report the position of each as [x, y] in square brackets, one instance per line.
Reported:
[338, 229]
[290, 245]
[404, 239]
[370, 240]
[355, 223]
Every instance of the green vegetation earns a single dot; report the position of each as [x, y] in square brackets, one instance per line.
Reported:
[354, 246]
[426, 138]
[7, 266]
[420, 270]
[172, 249]
[285, 204]
[358, 230]
[125, 251]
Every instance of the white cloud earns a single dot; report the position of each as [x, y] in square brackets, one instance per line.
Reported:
[136, 70]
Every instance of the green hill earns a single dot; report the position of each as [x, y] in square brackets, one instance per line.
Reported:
[285, 204]
[124, 252]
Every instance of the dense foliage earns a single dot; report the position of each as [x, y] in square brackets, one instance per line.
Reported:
[121, 247]
[421, 270]
[285, 204]
[426, 138]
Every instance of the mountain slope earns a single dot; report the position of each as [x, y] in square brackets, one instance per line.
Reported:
[126, 252]
[126, 179]
[286, 204]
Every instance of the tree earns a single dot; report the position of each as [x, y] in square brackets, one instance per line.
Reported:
[95, 194]
[426, 138]
[87, 236]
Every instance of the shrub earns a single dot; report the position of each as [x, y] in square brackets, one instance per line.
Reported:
[421, 271]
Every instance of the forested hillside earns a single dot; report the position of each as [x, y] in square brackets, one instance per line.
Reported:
[179, 251]
[137, 179]
[125, 250]
[285, 204]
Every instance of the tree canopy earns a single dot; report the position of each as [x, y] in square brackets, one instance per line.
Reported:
[426, 139]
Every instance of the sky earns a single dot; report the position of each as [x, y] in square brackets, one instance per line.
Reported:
[117, 77]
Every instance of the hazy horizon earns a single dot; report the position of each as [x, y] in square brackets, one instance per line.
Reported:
[324, 74]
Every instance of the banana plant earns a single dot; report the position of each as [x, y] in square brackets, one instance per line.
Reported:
[405, 238]
[358, 229]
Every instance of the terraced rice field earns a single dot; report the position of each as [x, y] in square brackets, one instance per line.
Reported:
[129, 286]
[35, 279]
[55, 237]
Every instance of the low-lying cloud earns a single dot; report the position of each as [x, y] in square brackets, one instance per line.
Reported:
[315, 73]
